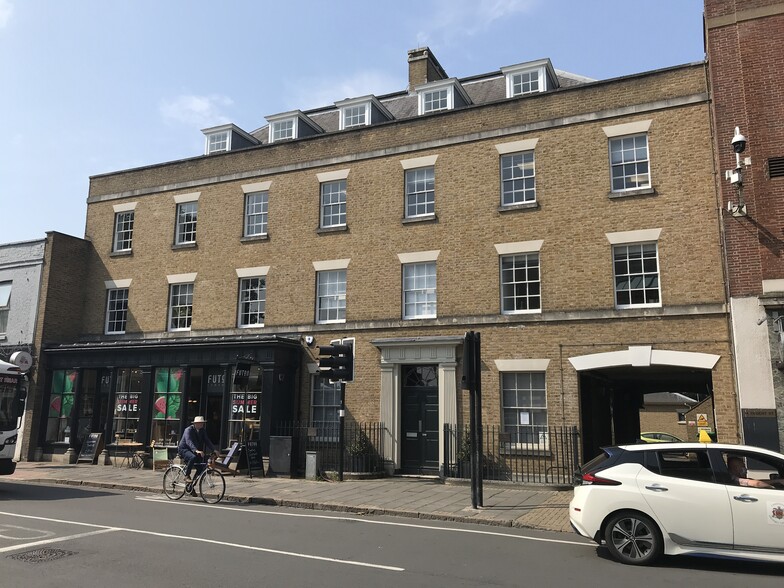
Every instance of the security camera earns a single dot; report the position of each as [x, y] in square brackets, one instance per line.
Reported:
[309, 340]
[738, 142]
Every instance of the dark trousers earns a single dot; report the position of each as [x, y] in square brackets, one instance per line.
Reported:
[191, 459]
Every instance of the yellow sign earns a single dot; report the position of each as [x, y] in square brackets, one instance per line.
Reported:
[702, 420]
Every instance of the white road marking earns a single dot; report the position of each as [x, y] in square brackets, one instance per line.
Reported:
[55, 540]
[367, 521]
[35, 533]
[106, 529]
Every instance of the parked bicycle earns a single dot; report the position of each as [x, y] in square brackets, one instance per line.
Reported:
[210, 482]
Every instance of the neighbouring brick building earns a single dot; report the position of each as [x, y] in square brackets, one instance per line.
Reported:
[745, 49]
[573, 223]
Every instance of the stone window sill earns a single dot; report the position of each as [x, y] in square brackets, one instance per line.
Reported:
[255, 238]
[127, 253]
[631, 193]
[326, 230]
[184, 246]
[425, 218]
[520, 206]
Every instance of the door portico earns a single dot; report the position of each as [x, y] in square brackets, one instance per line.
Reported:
[397, 352]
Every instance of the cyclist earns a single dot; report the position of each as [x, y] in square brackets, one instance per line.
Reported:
[194, 445]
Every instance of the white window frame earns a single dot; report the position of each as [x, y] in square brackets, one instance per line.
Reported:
[633, 276]
[175, 289]
[5, 305]
[123, 231]
[426, 101]
[331, 295]
[418, 198]
[515, 284]
[260, 214]
[420, 290]
[546, 77]
[259, 303]
[539, 431]
[218, 142]
[337, 201]
[509, 161]
[116, 306]
[618, 162]
[325, 385]
[275, 133]
[347, 113]
[185, 229]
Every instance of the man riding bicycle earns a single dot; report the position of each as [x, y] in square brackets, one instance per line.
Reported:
[193, 446]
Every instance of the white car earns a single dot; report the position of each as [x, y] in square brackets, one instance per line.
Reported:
[676, 498]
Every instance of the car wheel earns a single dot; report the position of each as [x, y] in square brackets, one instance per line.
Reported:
[633, 538]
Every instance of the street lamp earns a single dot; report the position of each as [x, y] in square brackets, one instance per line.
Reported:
[735, 176]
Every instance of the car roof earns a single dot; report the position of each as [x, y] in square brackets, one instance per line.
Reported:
[687, 446]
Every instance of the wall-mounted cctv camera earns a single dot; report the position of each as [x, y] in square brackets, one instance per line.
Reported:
[309, 340]
[738, 142]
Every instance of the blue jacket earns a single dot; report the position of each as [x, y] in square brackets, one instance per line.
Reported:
[195, 440]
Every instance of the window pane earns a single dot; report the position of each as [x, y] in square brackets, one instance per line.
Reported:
[253, 300]
[333, 204]
[420, 191]
[256, 213]
[520, 283]
[123, 231]
[419, 290]
[636, 269]
[629, 163]
[331, 296]
[180, 307]
[117, 310]
[524, 405]
[186, 222]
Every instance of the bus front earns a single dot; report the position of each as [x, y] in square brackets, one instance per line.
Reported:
[12, 393]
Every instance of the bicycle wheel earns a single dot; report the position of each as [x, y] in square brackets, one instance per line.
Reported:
[137, 462]
[212, 486]
[174, 482]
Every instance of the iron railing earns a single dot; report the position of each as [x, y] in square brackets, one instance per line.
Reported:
[548, 455]
[364, 445]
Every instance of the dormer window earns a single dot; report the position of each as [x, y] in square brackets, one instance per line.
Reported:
[354, 116]
[362, 111]
[441, 95]
[291, 125]
[436, 100]
[529, 78]
[283, 129]
[218, 142]
[226, 138]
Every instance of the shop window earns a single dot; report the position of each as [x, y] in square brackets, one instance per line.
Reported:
[127, 406]
[245, 408]
[61, 402]
[88, 388]
[167, 405]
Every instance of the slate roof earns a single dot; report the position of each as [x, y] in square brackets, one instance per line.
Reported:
[482, 89]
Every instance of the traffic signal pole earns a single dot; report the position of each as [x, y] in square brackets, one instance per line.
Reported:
[341, 429]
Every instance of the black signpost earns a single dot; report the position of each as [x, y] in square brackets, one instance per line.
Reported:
[93, 444]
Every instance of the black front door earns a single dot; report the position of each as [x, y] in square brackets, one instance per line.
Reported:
[419, 449]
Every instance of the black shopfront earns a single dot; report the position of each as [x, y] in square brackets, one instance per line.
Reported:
[149, 391]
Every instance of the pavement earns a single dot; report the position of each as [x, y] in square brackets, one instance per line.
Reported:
[504, 504]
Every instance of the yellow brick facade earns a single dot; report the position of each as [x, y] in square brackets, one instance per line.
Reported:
[573, 215]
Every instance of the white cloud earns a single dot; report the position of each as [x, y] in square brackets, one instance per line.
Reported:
[195, 111]
[454, 19]
[6, 10]
[323, 92]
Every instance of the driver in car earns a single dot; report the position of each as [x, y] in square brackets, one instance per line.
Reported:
[739, 473]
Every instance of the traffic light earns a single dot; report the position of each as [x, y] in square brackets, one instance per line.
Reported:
[336, 361]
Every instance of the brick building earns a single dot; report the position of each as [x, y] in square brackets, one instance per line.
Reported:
[572, 222]
[745, 49]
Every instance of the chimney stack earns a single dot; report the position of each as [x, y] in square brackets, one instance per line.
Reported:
[423, 67]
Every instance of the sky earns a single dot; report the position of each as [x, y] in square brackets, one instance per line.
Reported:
[95, 86]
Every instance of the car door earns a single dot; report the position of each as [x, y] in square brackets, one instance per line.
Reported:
[679, 487]
[758, 513]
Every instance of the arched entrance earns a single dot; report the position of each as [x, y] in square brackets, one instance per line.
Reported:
[613, 387]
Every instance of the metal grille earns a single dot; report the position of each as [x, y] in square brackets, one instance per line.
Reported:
[42, 555]
[776, 167]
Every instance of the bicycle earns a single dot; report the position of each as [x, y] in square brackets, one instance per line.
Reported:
[211, 483]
